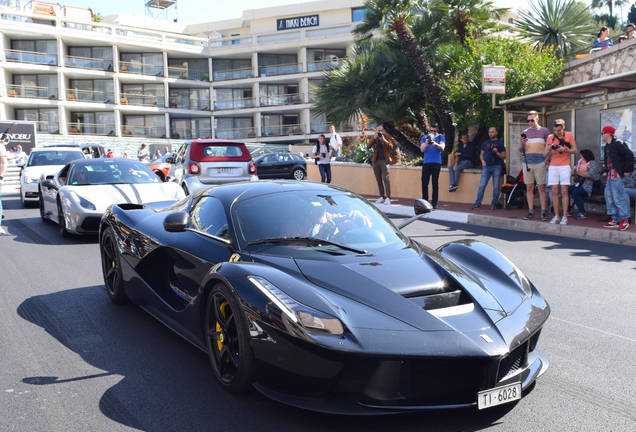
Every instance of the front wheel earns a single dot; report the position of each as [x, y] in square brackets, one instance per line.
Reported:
[227, 340]
[111, 268]
[298, 174]
[185, 189]
[42, 212]
[61, 220]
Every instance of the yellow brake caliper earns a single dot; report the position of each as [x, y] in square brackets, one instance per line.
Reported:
[219, 330]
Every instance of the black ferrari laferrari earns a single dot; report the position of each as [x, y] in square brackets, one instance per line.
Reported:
[309, 294]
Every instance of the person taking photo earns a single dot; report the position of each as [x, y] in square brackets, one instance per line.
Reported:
[559, 146]
[432, 146]
[382, 147]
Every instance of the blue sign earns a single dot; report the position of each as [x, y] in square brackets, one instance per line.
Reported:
[297, 22]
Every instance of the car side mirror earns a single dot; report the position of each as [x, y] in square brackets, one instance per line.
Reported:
[176, 222]
[49, 184]
[421, 206]
[170, 160]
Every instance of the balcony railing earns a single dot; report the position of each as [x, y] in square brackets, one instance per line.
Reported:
[88, 63]
[235, 103]
[30, 57]
[145, 99]
[140, 68]
[281, 36]
[233, 74]
[80, 95]
[284, 99]
[182, 133]
[238, 133]
[280, 69]
[202, 104]
[47, 127]
[34, 92]
[323, 65]
[143, 131]
[185, 73]
[283, 130]
[79, 128]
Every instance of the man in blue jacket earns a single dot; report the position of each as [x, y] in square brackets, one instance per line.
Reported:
[432, 146]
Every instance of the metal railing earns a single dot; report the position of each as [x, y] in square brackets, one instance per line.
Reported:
[88, 63]
[80, 128]
[234, 103]
[284, 99]
[183, 133]
[47, 127]
[589, 49]
[140, 68]
[179, 102]
[75, 94]
[143, 131]
[323, 65]
[145, 99]
[282, 130]
[280, 36]
[20, 56]
[280, 69]
[185, 73]
[233, 74]
[34, 92]
[238, 133]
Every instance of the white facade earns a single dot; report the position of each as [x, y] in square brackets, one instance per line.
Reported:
[249, 78]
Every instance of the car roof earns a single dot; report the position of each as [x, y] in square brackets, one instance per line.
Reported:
[93, 161]
[249, 189]
[215, 141]
[57, 148]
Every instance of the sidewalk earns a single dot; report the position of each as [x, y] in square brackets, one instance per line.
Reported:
[587, 229]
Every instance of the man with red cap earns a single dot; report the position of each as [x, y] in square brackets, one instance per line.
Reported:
[619, 162]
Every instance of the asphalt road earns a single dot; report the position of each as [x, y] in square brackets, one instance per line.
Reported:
[72, 361]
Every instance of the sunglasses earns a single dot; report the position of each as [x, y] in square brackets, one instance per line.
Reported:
[531, 120]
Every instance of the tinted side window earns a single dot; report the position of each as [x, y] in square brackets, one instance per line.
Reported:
[208, 216]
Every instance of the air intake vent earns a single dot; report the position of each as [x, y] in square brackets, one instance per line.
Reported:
[513, 361]
[448, 294]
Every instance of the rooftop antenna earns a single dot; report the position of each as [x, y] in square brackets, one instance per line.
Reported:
[162, 9]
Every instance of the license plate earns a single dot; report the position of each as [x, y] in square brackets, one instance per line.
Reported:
[498, 396]
[224, 171]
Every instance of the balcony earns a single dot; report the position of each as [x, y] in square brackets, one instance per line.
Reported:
[202, 104]
[285, 99]
[233, 74]
[79, 128]
[187, 74]
[47, 127]
[280, 69]
[140, 68]
[182, 133]
[282, 130]
[32, 92]
[88, 63]
[143, 131]
[80, 95]
[143, 99]
[238, 133]
[323, 65]
[231, 104]
[18, 56]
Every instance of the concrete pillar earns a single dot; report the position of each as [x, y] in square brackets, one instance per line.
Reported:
[213, 126]
[115, 59]
[166, 95]
[118, 122]
[167, 117]
[116, 90]
[303, 89]
[302, 58]
[62, 121]
[305, 120]
[257, 124]
[210, 69]
[255, 64]
[256, 93]
[165, 63]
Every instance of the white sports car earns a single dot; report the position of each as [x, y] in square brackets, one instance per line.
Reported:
[79, 194]
[43, 161]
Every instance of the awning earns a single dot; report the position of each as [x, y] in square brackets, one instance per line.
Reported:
[613, 83]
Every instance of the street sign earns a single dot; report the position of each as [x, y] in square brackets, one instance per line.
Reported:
[493, 79]
[14, 132]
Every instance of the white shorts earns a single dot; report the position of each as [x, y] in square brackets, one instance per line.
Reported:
[559, 175]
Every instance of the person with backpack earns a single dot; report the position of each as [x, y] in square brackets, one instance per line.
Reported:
[618, 162]
[322, 154]
[558, 148]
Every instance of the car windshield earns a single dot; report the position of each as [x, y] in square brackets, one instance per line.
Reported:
[111, 172]
[53, 157]
[341, 218]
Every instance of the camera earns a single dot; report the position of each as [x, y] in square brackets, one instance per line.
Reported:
[323, 155]
[523, 135]
[379, 134]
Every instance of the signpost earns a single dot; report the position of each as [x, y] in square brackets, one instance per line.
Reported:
[493, 79]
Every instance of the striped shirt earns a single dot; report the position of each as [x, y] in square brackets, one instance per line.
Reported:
[536, 144]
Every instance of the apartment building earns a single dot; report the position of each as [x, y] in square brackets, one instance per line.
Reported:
[127, 79]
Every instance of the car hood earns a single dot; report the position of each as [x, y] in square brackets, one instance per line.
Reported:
[104, 195]
[38, 171]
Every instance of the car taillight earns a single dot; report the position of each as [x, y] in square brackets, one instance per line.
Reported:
[194, 168]
[252, 168]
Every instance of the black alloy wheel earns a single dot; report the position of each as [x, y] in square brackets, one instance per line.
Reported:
[298, 174]
[111, 268]
[61, 220]
[42, 212]
[22, 201]
[227, 339]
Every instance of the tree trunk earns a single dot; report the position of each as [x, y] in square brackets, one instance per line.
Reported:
[441, 107]
[406, 146]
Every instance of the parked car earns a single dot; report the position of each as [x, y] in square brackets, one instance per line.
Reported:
[79, 194]
[281, 165]
[90, 150]
[160, 167]
[43, 161]
[203, 162]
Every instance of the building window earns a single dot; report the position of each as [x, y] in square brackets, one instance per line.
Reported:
[47, 119]
[358, 14]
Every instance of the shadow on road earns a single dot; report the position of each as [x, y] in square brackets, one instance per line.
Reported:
[168, 384]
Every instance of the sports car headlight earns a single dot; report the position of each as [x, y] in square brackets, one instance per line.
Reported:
[295, 311]
[31, 179]
[83, 202]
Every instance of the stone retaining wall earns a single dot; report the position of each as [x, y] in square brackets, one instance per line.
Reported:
[617, 59]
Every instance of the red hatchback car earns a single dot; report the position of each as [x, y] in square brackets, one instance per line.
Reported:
[204, 162]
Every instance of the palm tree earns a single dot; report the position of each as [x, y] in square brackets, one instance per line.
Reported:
[464, 17]
[599, 4]
[564, 24]
[396, 15]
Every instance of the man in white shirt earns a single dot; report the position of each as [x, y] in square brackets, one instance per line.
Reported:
[20, 156]
[142, 154]
[335, 141]
[3, 168]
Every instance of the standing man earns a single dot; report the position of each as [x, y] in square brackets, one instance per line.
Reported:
[322, 154]
[629, 30]
[142, 154]
[109, 154]
[492, 154]
[382, 147]
[533, 150]
[20, 156]
[3, 168]
[559, 146]
[335, 141]
[618, 162]
[432, 146]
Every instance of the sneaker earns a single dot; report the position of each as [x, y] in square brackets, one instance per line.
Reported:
[530, 215]
[387, 201]
[544, 215]
[624, 225]
[611, 224]
[564, 221]
[379, 200]
[3, 231]
[452, 188]
[555, 220]
[493, 207]
[476, 206]
[581, 216]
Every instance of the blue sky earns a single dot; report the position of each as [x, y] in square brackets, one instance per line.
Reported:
[189, 11]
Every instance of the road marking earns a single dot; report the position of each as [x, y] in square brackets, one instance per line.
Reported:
[595, 329]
